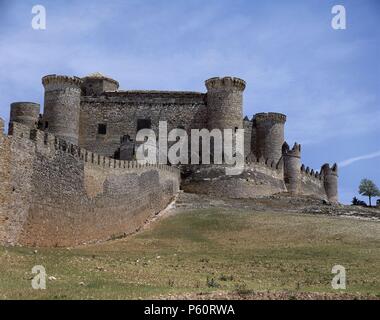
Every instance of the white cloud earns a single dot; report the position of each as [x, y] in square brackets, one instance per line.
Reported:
[350, 161]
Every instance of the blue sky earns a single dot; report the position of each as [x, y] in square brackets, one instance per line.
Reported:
[327, 81]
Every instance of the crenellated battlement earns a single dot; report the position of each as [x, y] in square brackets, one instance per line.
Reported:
[270, 116]
[306, 171]
[46, 142]
[150, 98]
[217, 83]
[54, 82]
[265, 162]
[327, 170]
[294, 152]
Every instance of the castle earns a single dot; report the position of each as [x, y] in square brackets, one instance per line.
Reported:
[70, 175]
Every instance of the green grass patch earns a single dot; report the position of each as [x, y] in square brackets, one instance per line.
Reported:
[205, 251]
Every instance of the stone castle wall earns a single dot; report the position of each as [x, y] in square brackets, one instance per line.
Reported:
[56, 194]
[258, 178]
[249, 137]
[121, 110]
[312, 184]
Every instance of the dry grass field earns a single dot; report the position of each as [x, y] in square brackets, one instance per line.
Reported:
[206, 251]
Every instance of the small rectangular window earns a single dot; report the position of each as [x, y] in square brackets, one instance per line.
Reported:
[102, 128]
[143, 124]
[46, 125]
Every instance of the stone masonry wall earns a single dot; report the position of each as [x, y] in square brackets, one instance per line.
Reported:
[121, 110]
[312, 183]
[247, 125]
[56, 194]
[257, 179]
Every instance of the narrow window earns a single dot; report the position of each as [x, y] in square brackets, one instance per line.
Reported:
[102, 128]
[46, 124]
[143, 124]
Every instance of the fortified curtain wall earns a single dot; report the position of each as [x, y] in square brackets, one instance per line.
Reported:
[259, 178]
[312, 183]
[53, 193]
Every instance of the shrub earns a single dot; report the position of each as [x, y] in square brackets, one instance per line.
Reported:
[211, 283]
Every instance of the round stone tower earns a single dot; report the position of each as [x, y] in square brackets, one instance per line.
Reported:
[269, 135]
[26, 113]
[225, 103]
[330, 181]
[62, 106]
[292, 166]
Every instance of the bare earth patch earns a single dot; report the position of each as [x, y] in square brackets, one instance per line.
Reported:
[269, 296]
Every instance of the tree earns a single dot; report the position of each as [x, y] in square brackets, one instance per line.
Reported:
[356, 202]
[368, 188]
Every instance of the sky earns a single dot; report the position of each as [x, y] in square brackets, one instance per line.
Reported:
[326, 81]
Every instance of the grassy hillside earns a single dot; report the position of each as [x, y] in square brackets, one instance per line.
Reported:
[206, 250]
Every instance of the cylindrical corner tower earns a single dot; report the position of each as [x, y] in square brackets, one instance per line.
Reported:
[62, 106]
[269, 135]
[26, 113]
[330, 181]
[225, 103]
[292, 167]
